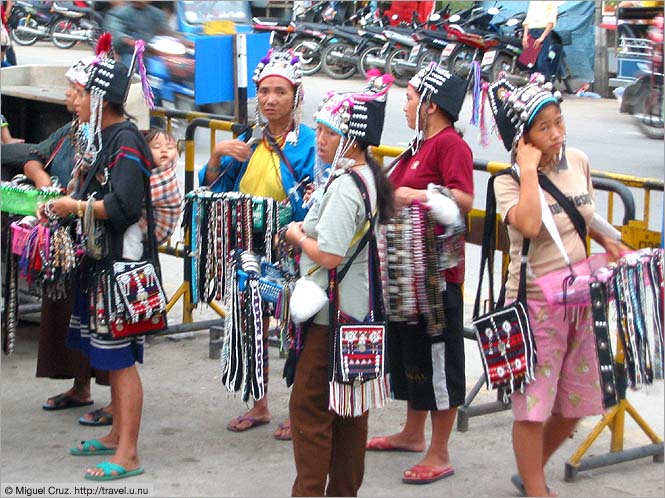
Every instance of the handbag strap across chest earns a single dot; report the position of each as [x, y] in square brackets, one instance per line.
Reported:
[487, 252]
[376, 304]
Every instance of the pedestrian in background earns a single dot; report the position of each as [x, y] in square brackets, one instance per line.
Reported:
[538, 25]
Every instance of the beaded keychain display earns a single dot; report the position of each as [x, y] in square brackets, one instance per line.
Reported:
[622, 286]
[409, 257]
[218, 224]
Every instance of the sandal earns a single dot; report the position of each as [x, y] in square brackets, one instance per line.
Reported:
[63, 401]
[283, 432]
[112, 471]
[234, 424]
[97, 418]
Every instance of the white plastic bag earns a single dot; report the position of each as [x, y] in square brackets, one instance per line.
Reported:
[307, 299]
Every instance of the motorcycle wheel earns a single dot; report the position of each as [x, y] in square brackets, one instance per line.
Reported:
[401, 74]
[25, 39]
[502, 64]
[336, 67]
[366, 62]
[427, 57]
[310, 59]
[650, 117]
[459, 62]
[61, 26]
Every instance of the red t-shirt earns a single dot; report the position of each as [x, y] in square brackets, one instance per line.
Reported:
[444, 159]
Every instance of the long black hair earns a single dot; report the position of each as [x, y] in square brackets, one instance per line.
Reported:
[120, 110]
[384, 189]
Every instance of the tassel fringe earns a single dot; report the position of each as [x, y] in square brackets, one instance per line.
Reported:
[475, 113]
[352, 400]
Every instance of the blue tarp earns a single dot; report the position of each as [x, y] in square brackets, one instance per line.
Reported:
[214, 81]
[576, 22]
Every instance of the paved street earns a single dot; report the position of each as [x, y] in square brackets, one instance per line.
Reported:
[610, 139]
[184, 445]
[186, 450]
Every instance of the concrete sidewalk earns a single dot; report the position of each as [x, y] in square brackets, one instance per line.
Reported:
[186, 450]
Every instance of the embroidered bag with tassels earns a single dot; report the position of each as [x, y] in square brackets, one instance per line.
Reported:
[504, 335]
[357, 372]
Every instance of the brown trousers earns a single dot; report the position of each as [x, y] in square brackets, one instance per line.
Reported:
[54, 359]
[328, 449]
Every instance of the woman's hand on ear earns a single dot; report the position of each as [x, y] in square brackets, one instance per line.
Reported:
[527, 156]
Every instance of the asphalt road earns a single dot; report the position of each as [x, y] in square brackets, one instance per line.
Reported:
[610, 139]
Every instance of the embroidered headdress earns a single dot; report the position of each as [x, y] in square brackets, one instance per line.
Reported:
[110, 80]
[79, 71]
[107, 80]
[285, 65]
[356, 116]
[441, 87]
[515, 108]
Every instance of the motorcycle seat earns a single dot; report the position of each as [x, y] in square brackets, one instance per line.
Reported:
[275, 21]
[508, 40]
[317, 26]
[400, 30]
[62, 9]
[347, 30]
[375, 29]
[439, 35]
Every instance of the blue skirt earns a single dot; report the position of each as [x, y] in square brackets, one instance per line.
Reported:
[103, 352]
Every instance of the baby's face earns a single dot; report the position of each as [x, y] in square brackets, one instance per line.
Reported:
[164, 150]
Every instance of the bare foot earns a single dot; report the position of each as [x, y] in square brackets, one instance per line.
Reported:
[129, 464]
[396, 442]
[283, 432]
[253, 418]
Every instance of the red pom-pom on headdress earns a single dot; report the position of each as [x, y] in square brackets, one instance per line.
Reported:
[104, 44]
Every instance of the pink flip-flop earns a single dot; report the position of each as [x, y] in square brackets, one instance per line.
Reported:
[382, 443]
[426, 474]
[279, 433]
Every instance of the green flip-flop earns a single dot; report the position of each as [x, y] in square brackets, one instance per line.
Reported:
[92, 447]
[109, 468]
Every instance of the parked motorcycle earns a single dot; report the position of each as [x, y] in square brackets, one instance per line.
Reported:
[75, 24]
[468, 42]
[644, 97]
[432, 41]
[308, 40]
[341, 59]
[280, 29]
[30, 22]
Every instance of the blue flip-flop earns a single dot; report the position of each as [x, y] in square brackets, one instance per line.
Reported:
[109, 468]
[92, 447]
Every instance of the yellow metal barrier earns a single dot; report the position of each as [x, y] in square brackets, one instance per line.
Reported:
[636, 234]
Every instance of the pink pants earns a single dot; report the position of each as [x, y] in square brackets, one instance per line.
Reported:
[567, 379]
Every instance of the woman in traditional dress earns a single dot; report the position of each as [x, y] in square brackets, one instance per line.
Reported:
[329, 448]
